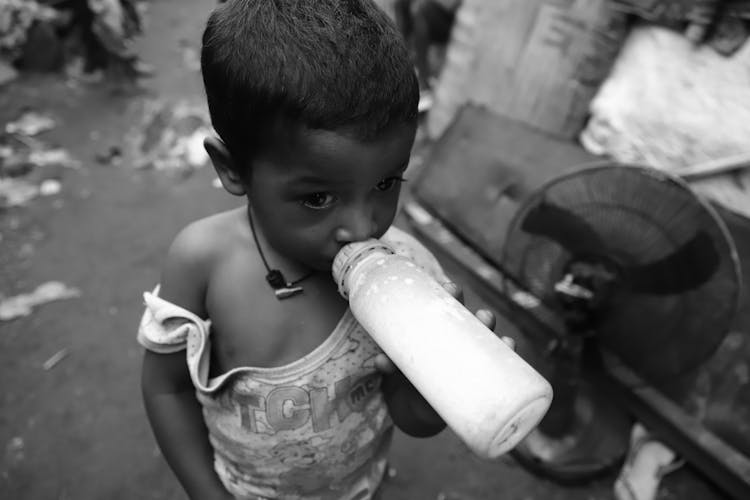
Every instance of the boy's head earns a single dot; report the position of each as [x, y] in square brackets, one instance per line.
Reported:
[274, 67]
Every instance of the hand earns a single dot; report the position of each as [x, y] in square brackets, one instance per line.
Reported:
[386, 366]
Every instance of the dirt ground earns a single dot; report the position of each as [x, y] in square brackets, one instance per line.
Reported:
[78, 431]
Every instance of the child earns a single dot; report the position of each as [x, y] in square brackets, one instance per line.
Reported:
[283, 394]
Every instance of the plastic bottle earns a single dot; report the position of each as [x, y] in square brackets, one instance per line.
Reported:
[487, 394]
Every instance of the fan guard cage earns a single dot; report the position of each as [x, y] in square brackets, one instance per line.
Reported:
[642, 214]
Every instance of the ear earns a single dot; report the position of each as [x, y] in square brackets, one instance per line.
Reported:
[224, 166]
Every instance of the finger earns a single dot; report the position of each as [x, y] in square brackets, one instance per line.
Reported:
[486, 317]
[384, 364]
[455, 290]
[510, 341]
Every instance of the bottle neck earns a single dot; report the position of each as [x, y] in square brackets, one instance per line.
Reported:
[352, 255]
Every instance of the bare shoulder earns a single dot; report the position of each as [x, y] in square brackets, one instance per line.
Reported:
[194, 253]
[204, 238]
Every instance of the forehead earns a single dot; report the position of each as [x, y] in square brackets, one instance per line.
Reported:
[334, 157]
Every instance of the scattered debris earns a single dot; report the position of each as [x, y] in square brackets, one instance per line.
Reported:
[77, 71]
[16, 192]
[22, 156]
[115, 23]
[170, 137]
[12, 163]
[648, 461]
[52, 157]
[21, 159]
[55, 359]
[14, 451]
[113, 156]
[21, 305]
[7, 73]
[31, 123]
[722, 27]
[191, 57]
[49, 187]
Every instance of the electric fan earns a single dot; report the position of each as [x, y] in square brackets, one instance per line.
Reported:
[633, 264]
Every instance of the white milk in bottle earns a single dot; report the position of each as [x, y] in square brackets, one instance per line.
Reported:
[487, 394]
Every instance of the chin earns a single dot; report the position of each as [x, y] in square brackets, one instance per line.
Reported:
[324, 263]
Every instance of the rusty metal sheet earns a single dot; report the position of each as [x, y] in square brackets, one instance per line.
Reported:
[482, 167]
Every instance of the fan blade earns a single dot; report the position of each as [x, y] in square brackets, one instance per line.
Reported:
[574, 234]
[686, 268]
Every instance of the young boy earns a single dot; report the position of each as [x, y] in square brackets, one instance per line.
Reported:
[283, 394]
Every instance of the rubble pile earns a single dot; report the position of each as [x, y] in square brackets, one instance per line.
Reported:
[49, 35]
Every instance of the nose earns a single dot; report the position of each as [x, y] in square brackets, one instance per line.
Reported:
[357, 223]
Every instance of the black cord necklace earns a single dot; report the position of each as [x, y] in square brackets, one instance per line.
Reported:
[281, 287]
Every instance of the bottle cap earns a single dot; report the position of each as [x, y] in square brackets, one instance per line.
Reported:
[352, 253]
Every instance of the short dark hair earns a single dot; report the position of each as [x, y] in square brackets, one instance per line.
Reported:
[322, 64]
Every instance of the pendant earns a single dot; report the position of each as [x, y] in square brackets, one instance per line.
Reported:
[287, 291]
[281, 288]
[276, 279]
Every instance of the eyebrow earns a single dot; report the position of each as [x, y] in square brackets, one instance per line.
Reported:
[313, 181]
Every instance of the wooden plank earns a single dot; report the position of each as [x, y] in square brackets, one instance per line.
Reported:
[715, 167]
[538, 61]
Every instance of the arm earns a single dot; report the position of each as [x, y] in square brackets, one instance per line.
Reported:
[409, 410]
[177, 423]
[173, 411]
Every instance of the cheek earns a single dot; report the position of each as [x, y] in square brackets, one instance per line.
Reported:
[309, 235]
[385, 212]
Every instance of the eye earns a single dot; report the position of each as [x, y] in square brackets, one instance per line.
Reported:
[389, 183]
[319, 201]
